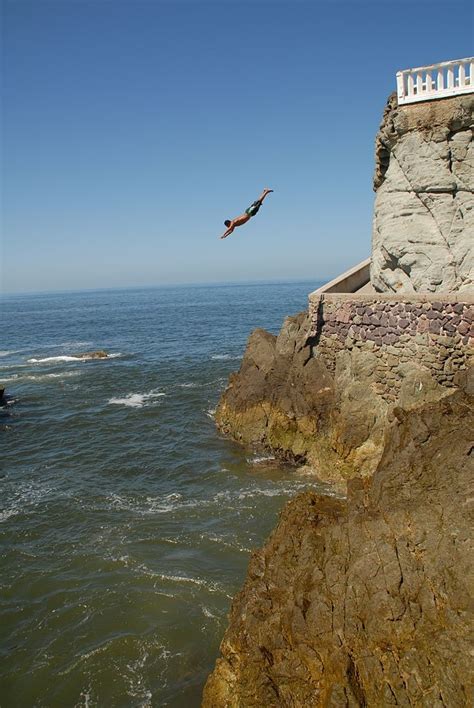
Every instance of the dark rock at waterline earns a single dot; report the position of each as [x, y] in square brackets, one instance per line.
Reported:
[2, 395]
[91, 355]
[365, 601]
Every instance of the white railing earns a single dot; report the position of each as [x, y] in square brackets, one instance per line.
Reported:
[425, 83]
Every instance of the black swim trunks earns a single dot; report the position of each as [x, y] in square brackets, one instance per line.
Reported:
[253, 208]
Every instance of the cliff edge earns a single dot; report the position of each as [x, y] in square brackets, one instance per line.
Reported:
[365, 601]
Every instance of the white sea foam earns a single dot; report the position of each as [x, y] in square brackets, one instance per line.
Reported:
[225, 357]
[9, 379]
[136, 400]
[4, 515]
[143, 569]
[46, 377]
[87, 655]
[256, 460]
[49, 359]
[39, 377]
[211, 587]
[8, 352]
[203, 384]
[207, 612]
[221, 541]
[68, 357]
[211, 412]
[26, 496]
[153, 505]
[280, 489]
[137, 680]
[86, 696]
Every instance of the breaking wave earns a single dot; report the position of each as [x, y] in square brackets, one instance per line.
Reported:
[225, 357]
[136, 400]
[67, 357]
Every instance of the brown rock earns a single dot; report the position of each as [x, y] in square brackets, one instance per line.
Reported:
[92, 355]
[364, 601]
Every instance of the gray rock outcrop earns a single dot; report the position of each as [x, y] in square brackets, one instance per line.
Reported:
[423, 226]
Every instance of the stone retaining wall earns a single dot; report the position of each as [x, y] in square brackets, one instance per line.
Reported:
[435, 331]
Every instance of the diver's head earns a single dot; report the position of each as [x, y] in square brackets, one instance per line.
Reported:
[227, 222]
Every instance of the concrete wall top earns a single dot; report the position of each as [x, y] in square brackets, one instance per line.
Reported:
[447, 297]
[349, 282]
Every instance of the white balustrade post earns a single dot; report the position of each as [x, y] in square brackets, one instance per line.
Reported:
[428, 82]
[450, 77]
[419, 83]
[462, 76]
[400, 85]
[440, 82]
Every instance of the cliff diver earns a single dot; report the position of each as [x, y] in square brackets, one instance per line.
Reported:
[243, 218]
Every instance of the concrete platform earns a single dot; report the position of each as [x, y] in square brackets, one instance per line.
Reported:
[354, 280]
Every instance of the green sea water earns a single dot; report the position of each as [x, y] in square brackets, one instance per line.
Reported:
[126, 519]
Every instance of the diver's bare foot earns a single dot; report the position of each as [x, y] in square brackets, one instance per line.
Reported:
[267, 191]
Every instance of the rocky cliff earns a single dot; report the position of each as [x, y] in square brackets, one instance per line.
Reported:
[365, 601]
[423, 227]
[317, 401]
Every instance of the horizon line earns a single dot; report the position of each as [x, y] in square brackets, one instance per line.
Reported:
[214, 283]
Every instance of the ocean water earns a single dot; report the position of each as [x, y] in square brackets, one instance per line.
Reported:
[126, 519]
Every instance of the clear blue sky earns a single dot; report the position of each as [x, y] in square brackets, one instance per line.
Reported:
[133, 128]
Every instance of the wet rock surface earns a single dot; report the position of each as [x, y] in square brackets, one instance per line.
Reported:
[364, 601]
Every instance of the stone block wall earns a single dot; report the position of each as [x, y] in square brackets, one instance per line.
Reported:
[435, 331]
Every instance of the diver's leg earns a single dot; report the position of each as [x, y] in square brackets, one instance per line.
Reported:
[264, 194]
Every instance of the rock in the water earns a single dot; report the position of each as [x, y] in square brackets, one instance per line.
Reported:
[92, 355]
[423, 225]
[365, 601]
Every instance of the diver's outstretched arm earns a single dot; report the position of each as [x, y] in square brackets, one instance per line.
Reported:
[228, 232]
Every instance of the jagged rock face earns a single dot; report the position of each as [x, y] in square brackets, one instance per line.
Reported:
[365, 601]
[423, 227]
[284, 399]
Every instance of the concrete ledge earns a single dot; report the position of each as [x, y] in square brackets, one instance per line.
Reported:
[349, 282]
[317, 296]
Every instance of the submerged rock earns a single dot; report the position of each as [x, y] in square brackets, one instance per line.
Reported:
[365, 601]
